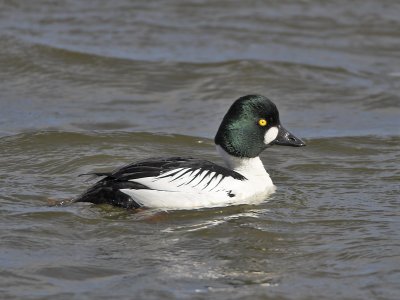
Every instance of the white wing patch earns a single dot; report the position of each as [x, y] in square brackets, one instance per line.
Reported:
[185, 179]
[198, 179]
[185, 188]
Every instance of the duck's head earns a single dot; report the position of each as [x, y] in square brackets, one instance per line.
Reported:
[251, 125]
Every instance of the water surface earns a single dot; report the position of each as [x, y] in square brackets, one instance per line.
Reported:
[92, 86]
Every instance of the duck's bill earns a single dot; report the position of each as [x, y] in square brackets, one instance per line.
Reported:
[285, 138]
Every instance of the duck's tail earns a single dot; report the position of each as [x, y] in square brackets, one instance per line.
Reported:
[108, 190]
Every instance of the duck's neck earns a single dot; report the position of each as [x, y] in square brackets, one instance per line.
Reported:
[245, 166]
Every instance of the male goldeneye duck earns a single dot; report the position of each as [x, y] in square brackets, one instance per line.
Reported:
[250, 126]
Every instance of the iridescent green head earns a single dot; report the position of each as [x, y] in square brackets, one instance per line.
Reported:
[251, 125]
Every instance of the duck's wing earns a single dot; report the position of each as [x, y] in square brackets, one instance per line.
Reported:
[161, 182]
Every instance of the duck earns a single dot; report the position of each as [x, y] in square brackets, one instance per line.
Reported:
[250, 126]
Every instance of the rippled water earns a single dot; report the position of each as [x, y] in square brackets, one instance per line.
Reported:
[91, 86]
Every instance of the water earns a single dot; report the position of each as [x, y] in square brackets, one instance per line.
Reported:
[91, 86]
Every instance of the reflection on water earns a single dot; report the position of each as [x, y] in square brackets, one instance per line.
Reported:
[89, 86]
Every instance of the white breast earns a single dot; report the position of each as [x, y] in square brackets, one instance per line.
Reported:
[259, 184]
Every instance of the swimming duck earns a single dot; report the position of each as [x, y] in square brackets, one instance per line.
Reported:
[251, 125]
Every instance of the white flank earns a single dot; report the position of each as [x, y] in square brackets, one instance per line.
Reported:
[184, 191]
[270, 135]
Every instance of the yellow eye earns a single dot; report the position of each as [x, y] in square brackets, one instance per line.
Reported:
[262, 122]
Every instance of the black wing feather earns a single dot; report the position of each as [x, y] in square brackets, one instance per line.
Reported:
[157, 167]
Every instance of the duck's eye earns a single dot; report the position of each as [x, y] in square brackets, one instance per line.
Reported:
[262, 122]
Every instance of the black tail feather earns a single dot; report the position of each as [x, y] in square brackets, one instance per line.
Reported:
[108, 191]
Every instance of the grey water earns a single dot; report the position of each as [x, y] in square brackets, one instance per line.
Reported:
[93, 85]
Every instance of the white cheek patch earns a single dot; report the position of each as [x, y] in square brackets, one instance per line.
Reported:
[271, 135]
